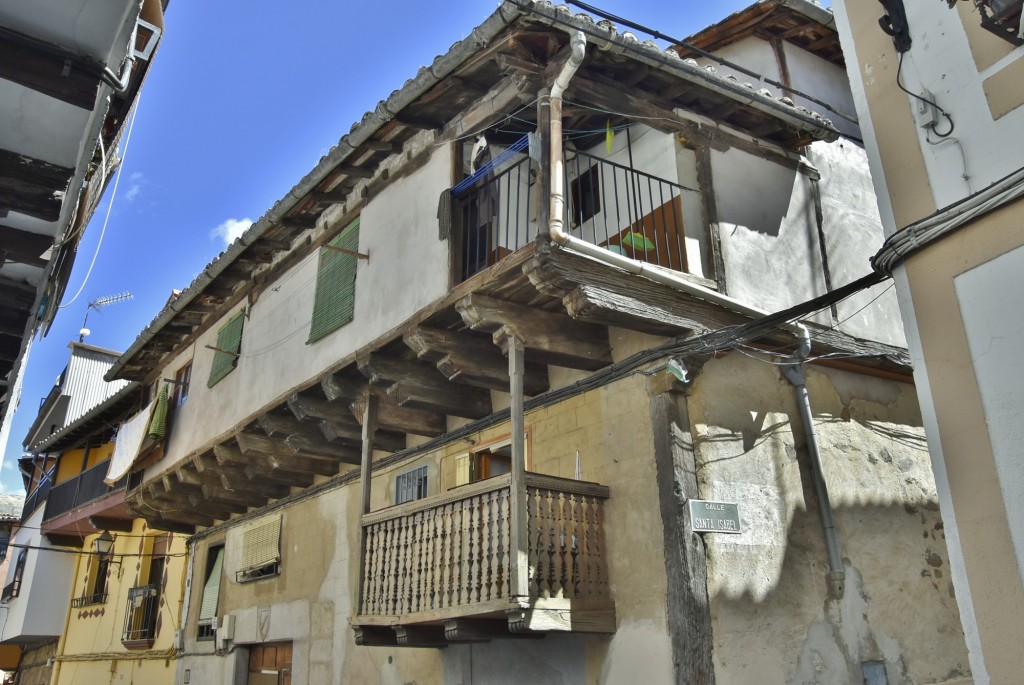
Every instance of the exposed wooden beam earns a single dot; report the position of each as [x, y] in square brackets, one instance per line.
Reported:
[171, 526]
[421, 636]
[420, 122]
[374, 636]
[302, 445]
[260, 473]
[552, 338]
[419, 386]
[306, 407]
[241, 484]
[24, 246]
[334, 197]
[32, 186]
[392, 417]
[388, 441]
[471, 359]
[283, 425]
[110, 523]
[357, 172]
[294, 463]
[381, 146]
[228, 453]
[49, 69]
[338, 387]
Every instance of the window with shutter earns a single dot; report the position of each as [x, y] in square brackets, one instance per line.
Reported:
[335, 297]
[261, 551]
[211, 592]
[229, 344]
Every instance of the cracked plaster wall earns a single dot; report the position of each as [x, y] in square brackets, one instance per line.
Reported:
[772, 618]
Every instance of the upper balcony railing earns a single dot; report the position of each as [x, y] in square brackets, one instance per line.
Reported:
[37, 496]
[86, 487]
[448, 556]
[616, 207]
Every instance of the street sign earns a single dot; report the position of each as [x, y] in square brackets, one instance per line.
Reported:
[714, 517]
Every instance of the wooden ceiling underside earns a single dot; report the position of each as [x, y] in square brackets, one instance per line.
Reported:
[442, 364]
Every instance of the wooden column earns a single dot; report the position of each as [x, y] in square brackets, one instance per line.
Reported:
[689, 610]
[365, 476]
[519, 563]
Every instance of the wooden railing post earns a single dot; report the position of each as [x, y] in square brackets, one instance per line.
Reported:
[365, 475]
[519, 565]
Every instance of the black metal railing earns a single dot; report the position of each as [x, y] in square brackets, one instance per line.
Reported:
[630, 212]
[140, 616]
[626, 211]
[86, 487]
[493, 217]
[89, 600]
[37, 496]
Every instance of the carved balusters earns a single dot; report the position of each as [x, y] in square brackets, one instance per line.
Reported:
[505, 545]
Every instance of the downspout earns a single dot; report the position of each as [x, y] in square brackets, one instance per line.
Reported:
[794, 373]
[556, 220]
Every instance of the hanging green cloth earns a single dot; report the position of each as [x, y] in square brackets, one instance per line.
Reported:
[158, 422]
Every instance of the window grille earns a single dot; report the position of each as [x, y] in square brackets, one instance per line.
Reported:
[411, 485]
[229, 344]
[335, 297]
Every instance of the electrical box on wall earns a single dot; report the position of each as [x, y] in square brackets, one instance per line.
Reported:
[225, 630]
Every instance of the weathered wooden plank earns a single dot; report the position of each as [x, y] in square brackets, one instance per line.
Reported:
[689, 616]
[318, 447]
[49, 69]
[421, 636]
[294, 463]
[551, 338]
[336, 409]
[392, 417]
[32, 186]
[259, 473]
[388, 441]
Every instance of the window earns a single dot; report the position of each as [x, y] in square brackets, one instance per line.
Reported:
[181, 382]
[261, 551]
[211, 592]
[96, 582]
[585, 191]
[411, 485]
[486, 461]
[5, 538]
[13, 588]
[140, 625]
[335, 297]
[229, 344]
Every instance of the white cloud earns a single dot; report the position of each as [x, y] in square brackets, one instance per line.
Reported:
[230, 230]
[136, 180]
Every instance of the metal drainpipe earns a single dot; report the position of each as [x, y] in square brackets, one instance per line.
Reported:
[556, 220]
[794, 373]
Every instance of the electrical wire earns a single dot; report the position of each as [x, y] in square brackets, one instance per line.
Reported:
[703, 53]
[110, 205]
[930, 127]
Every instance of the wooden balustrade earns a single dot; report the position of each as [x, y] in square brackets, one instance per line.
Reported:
[448, 556]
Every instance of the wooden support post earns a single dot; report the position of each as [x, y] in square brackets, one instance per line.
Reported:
[689, 609]
[519, 571]
[365, 476]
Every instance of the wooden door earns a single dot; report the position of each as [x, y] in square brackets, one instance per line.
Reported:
[270, 664]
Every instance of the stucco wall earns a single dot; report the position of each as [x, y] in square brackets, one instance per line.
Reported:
[398, 230]
[773, 620]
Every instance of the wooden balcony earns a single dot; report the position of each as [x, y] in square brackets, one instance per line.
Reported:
[438, 570]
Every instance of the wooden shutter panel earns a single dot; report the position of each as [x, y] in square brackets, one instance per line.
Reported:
[211, 591]
[335, 298]
[261, 545]
[229, 339]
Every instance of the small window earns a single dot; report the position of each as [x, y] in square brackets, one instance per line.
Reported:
[411, 485]
[261, 551]
[229, 344]
[96, 582]
[485, 462]
[335, 297]
[211, 592]
[5, 539]
[181, 383]
[586, 195]
[13, 588]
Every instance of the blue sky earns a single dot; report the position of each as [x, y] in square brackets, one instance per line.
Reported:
[242, 101]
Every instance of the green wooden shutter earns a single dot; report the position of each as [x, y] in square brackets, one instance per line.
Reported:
[335, 299]
[229, 339]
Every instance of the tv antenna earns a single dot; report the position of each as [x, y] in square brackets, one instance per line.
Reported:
[99, 303]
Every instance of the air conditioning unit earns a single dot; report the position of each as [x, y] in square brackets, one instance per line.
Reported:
[225, 627]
